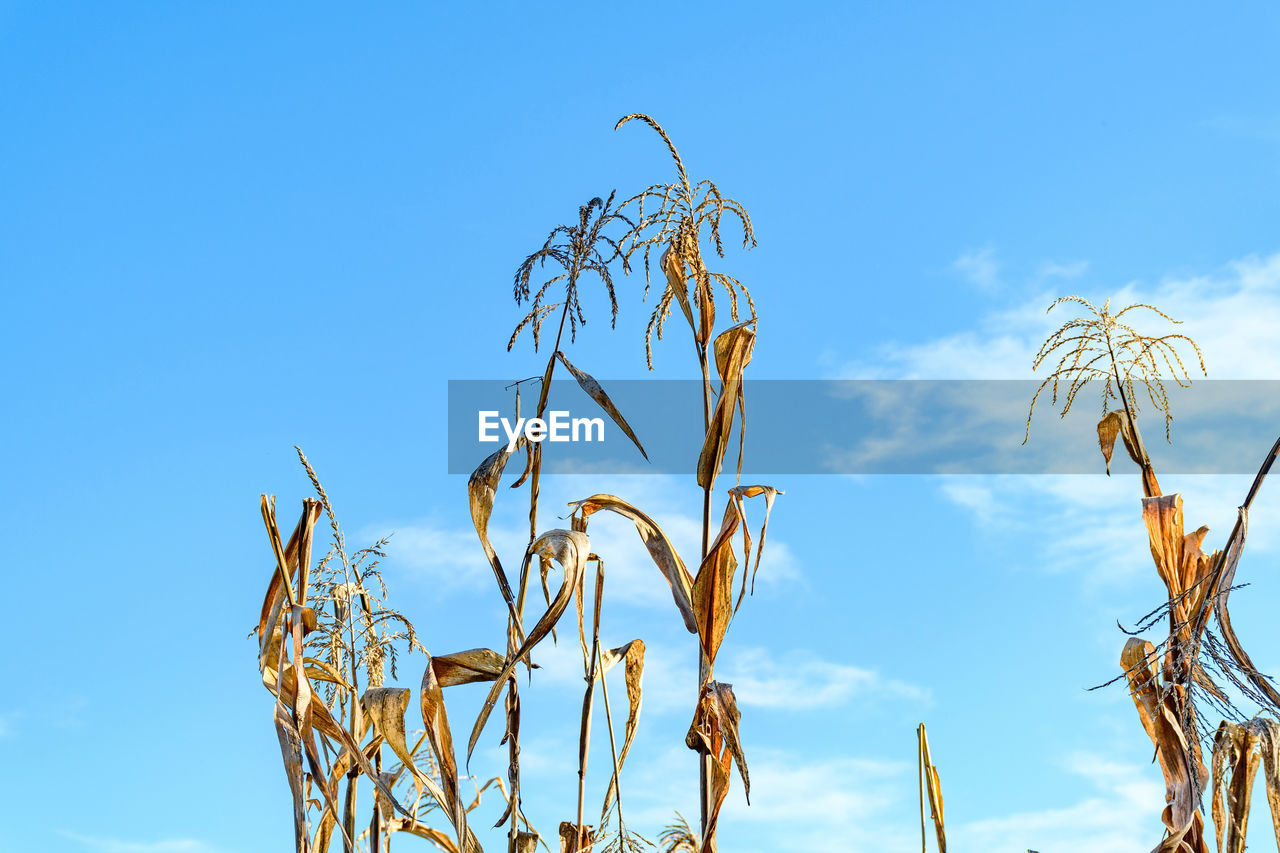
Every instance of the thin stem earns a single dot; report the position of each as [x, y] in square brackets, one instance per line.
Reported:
[535, 479]
[536, 474]
[920, 778]
[613, 749]
[584, 736]
[1149, 485]
[704, 663]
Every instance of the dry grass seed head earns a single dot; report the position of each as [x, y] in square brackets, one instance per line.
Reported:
[580, 248]
[678, 837]
[1102, 346]
[346, 585]
[683, 211]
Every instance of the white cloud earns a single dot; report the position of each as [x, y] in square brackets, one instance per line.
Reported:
[1091, 526]
[116, 845]
[795, 681]
[1054, 269]
[1120, 814]
[980, 267]
[1232, 313]
[437, 554]
[843, 802]
[832, 803]
[800, 681]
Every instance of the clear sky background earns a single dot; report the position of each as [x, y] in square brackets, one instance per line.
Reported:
[226, 229]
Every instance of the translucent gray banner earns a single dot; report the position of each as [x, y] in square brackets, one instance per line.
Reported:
[867, 427]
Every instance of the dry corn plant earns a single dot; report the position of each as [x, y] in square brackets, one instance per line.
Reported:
[336, 612]
[322, 631]
[930, 793]
[1169, 679]
[575, 250]
[680, 216]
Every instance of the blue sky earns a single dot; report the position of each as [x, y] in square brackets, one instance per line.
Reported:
[231, 229]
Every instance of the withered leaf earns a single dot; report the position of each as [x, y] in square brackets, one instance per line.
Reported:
[737, 494]
[1115, 424]
[673, 267]
[733, 353]
[1235, 764]
[440, 736]
[467, 667]
[1184, 773]
[597, 393]
[291, 752]
[633, 654]
[932, 789]
[569, 548]
[655, 541]
[279, 590]
[712, 591]
[481, 491]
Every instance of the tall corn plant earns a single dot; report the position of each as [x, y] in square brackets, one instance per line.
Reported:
[678, 218]
[1166, 679]
[574, 252]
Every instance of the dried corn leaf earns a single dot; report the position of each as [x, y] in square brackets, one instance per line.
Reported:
[733, 353]
[279, 590]
[341, 765]
[569, 548]
[467, 667]
[386, 707]
[1235, 763]
[413, 827]
[1179, 561]
[706, 307]
[307, 707]
[659, 546]
[291, 752]
[597, 393]
[1185, 775]
[286, 686]
[673, 267]
[574, 841]
[1162, 516]
[719, 791]
[303, 694]
[715, 728]
[358, 755]
[930, 792]
[729, 719]
[440, 736]
[1269, 747]
[318, 669]
[481, 491]
[1228, 562]
[713, 587]
[737, 494]
[633, 654]
[1115, 424]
